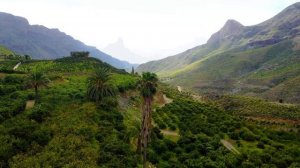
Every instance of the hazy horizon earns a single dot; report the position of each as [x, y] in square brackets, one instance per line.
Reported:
[149, 28]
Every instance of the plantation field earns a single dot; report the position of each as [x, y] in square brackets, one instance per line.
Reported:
[66, 129]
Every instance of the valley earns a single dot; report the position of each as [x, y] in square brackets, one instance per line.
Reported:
[260, 60]
[233, 102]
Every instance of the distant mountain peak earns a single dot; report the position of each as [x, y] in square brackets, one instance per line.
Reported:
[119, 50]
[231, 28]
[232, 24]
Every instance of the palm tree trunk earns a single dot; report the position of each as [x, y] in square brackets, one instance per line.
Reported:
[139, 144]
[141, 134]
[144, 136]
[146, 130]
[149, 118]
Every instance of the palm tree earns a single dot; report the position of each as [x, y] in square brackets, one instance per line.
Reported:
[36, 80]
[147, 86]
[98, 86]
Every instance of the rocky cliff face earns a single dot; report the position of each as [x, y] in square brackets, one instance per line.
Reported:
[43, 43]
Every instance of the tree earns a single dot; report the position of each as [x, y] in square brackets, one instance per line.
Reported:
[98, 86]
[36, 80]
[27, 57]
[147, 86]
[132, 71]
[80, 54]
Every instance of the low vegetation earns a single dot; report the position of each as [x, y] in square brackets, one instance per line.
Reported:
[68, 127]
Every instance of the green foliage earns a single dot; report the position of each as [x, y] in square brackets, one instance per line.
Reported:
[247, 106]
[202, 126]
[98, 86]
[64, 129]
[123, 82]
[40, 112]
[148, 84]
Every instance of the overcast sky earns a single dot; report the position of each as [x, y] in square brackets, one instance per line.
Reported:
[150, 28]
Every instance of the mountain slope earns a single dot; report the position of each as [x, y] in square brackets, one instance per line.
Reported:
[43, 43]
[241, 59]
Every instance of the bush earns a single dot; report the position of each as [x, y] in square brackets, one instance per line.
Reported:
[6, 89]
[42, 136]
[261, 145]
[10, 109]
[14, 95]
[170, 144]
[247, 135]
[248, 164]
[40, 112]
[172, 127]
[31, 96]
[12, 79]
[87, 133]
[162, 125]
[109, 103]
[153, 157]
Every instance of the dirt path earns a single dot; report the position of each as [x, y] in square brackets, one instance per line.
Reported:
[167, 100]
[167, 132]
[30, 104]
[179, 88]
[229, 146]
[16, 67]
[2, 75]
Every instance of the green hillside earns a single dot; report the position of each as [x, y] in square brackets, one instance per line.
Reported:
[260, 60]
[64, 128]
[5, 52]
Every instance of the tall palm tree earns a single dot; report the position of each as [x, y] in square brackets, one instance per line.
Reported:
[147, 86]
[98, 86]
[36, 80]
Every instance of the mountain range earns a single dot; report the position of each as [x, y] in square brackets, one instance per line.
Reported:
[261, 60]
[41, 42]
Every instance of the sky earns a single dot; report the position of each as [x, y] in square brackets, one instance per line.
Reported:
[152, 29]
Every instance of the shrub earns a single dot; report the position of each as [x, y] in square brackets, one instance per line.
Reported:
[12, 79]
[247, 135]
[170, 144]
[162, 125]
[30, 96]
[87, 133]
[248, 164]
[153, 157]
[109, 103]
[10, 109]
[40, 112]
[42, 136]
[261, 145]
[14, 95]
[172, 127]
